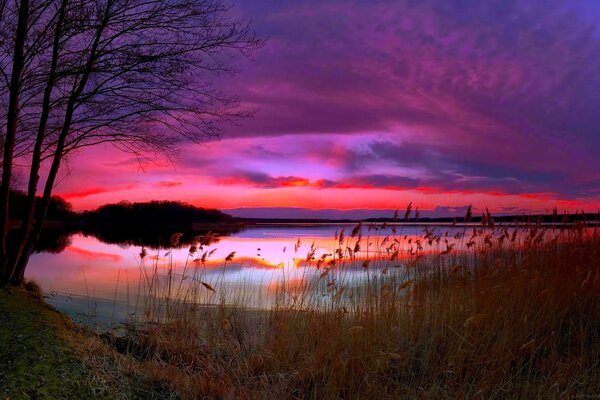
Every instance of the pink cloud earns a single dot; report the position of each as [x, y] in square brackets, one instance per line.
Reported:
[70, 196]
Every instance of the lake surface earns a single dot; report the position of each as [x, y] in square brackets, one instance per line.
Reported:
[253, 267]
[89, 273]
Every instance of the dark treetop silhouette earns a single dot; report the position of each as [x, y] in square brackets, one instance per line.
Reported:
[152, 223]
[75, 73]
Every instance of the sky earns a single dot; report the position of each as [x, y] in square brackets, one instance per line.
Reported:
[369, 105]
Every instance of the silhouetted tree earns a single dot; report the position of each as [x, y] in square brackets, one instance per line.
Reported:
[137, 74]
[59, 210]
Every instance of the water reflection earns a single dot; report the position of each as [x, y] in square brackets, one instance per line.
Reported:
[266, 257]
[155, 238]
[54, 240]
[252, 266]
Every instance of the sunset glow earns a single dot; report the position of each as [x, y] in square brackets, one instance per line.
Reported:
[440, 106]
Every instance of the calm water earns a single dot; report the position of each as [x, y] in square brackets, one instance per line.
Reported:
[89, 273]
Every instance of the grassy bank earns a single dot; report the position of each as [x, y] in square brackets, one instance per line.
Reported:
[40, 351]
[44, 355]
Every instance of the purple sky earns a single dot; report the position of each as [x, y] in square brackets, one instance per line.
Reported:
[372, 104]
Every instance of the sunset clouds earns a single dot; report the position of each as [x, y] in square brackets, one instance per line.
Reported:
[372, 104]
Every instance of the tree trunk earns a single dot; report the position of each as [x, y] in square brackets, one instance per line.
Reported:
[21, 263]
[18, 261]
[11, 133]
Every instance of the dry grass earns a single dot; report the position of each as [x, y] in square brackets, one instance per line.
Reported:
[486, 313]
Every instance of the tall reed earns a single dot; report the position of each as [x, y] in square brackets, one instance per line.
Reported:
[486, 311]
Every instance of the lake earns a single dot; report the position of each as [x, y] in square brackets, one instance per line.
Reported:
[87, 275]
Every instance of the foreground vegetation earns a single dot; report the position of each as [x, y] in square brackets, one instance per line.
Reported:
[485, 312]
[45, 355]
[40, 351]
[514, 314]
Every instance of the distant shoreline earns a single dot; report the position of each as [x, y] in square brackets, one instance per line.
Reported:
[505, 220]
[238, 223]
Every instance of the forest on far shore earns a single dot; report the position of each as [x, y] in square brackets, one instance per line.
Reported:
[151, 214]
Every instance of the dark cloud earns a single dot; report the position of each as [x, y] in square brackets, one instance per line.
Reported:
[503, 90]
[460, 167]
[374, 181]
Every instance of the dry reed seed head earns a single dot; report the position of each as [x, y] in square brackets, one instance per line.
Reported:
[406, 284]
[357, 329]
[202, 259]
[193, 249]
[469, 213]
[408, 210]
[390, 355]
[175, 239]
[530, 345]
[311, 253]
[474, 321]
[230, 256]
[226, 325]
[587, 281]
[356, 230]
[449, 248]
[339, 293]
[143, 253]
[488, 217]
[209, 287]
[455, 269]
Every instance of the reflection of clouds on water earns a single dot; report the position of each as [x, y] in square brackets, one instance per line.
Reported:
[265, 258]
[94, 255]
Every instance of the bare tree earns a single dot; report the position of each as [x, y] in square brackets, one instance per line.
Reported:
[137, 74]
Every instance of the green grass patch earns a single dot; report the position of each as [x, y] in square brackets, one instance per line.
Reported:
[40, 351]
